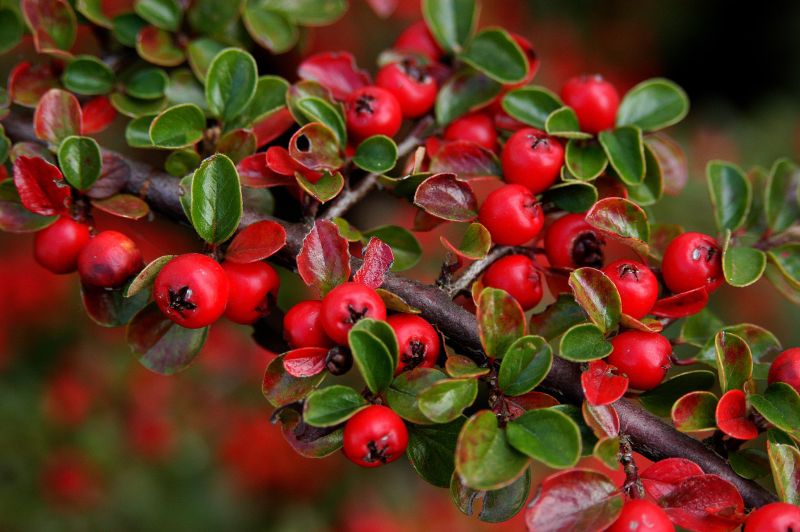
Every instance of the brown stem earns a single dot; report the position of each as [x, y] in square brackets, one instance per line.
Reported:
[633, 486]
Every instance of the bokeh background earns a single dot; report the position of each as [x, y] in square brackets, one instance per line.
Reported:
[90, 440]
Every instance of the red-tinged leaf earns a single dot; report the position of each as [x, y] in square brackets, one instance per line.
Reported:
[622, 220]
[500, 321]
[444, 196]
[271, 126]
[254, 173]
[308, 441]
[706, 502]
[475, 243]
[603, 383]
[645, 325]
[578, 499]
[28, 83]
[732, 418]
[279, 161]
[257, 241]
[378, 258]
[41, 186]
[695, 412]
[465, 159]
[598, 296]
[383, 8]
[98, 114]
[52, 23]
[315, 146]
[237, 144]
[324, 261]
[336, 71]
[124, 206]
[665, 475]
[157, 46]
[57, 116]
[162, 345]
[603, 420]
[280, 388]
[113, 177]
[734, 360]
[305, 362]
[672, 160]
[784, 460]
[513, 407]
[681, 305]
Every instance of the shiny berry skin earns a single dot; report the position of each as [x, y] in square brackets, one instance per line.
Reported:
[411, 84]
[636, 284]
[517, 275]
[57, 246]
[476, 127]
[108, 260]
[372, 111]
[418, 39]
[374, 436]
[774, 517]
[692, 260]
[418, 341]
[343, 306]
[533, 159]
[594, 100]
[643, 356]
[251, 286]
[641, 515]
[786, 368]
[512, 215]
[302, 326]
[192, 290]
[570, 242]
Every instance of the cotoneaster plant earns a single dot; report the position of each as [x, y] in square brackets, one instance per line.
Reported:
[472, 378]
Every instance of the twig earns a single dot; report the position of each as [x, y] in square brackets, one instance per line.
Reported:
[476, 269]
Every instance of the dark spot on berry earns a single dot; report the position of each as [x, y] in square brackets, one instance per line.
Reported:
[355, 314]
[414, 356]
[587, 250]
[628, 269]
[179, 300]
[377, 454]
[414, 71]
[365, 104]
[537, 141]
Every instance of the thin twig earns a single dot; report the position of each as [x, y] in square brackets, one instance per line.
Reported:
[476, 269]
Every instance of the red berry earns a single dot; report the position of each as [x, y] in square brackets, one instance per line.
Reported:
[636, 284]
[533, 159]
[641, 515]
[642, 356]
[302, 326]
[774, 517]
[418, 341]
[692, 260]
[374, 436]
[108, 260]
[786, 368]
[411, 84]
[476, 127]
[418, 39]
[343, 306]
[517, 275]
[570, 242]
[512, 215]
[192, 290]
[56, 247]
[373, 111]
[594, 100]
[251, 286]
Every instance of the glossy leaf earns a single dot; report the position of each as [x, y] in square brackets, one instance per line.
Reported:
[269, 28]
[137, 132]
[405, 247]
[27, 83]
[146, 83]
[743, 266]
[126, 27]
[378, 259]
[557, 317]
[308, 441]
[681, 305]
[734, 361]
[145, 279]
[200, 53]
[623, 220]
[88, 75]
[749, 463]
[459, 366]
[625, 150]
[98, 114]
[465, 159]
[653, 104]
[14, 217]
[135, 107]
[501, 321]
[652, 186]
[372, 358]
[123, 206]
[525, 364]
[444, 400]
[695, 412]
[402, 395]
[547, 436]
[280, 388]
[780, 405]
[495, 53]
[431, 451]
[376, 154]
[787, 260]
[672, 161]
[780, 197]
[254, 172]
[496, 506]
[80, 161]
[319, 110]
[784, 460]
[660, 399]
[704, 502]
[763, 344]
[216, 199]
[446, 197]
[731, 194]
[585, 159]
[305, 361]
[603, 383]
[330, 406]
[463, 93]
[572, 196]
[732, 418]
[475, 243]
[57, 116]
[602, 419]
[582, 343]
[157, 46]
[52, 23]
[257, 241]
[162, 345]
[40, 185]
[563, 122]
[450, 21]
[231, 83]
[11, 28]
[315, 147]
[114, 175]
[164, 14]
[324, 261]
[598, 296]
[336, 71]
[178, 127]
[531, 105]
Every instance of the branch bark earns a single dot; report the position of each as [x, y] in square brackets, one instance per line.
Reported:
[649, 435]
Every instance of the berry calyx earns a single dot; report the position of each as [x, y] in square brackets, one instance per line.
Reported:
[418, 342]
[339, 360]
[570, 242]
[643, 356]
[372, 111]
[476, 127]
[374, 436]
[302, 326]
[57, 246]
[512, 215]
[692, 260]
[533, 159]
[411, 84]
[517, 275]
[786, 368]
[774, 517]
[343, 306]
[641, 515]
[252, 285]
[636, 284]
[192, 290]
[594, 100]
[108, 260]
[418, 39]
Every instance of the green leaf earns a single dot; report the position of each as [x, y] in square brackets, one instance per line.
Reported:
[402, 395]
[135, 107]
[216, 199]
[496, 506]
[784, 461]
[159, 47]
[11, 28]
[495, 53]
[557, 317]
[695, 412]
[763, 344]
[531, 105]
[625, 151]
[80, 161]
[314, 146]
[749, 463]
[743, 266]
[484, 458]
[281, 389]
[327, 187]
[231, 83]
[372, 358]
[652, 187]
[309, 12]
[563, 122]
[271, 29]
[161, 345]
[384, 332]
[376, 154]
[147, 276]
[734, 361]
[780, 405]
[137, 132]
[598, 296]
[475, 243]
[547, 436]
[787, 259]
[431, 451]
[607, 450]
[573, 196]
[88, 75]
[200, 53]
[110, 308]
[270, 96]
[583, 342]
[407, 250]
[653, 104]
[731, 194]
[318, 110]
[660, 399]
[444, 400]
[146, 83]
[164, 14]
[178, 127]
[585, 158]
[780, 197]
[525, 364]
[451, 21]
[698, 328]
[126, 27]
[331, 406]
[459, 366]
[501, 321]
[465, 92]
[623, 220]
